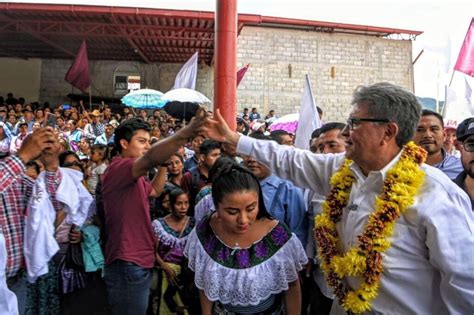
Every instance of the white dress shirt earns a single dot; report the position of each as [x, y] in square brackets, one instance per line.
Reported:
[429, 268]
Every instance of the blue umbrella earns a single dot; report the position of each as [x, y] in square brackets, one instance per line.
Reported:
[144, 99]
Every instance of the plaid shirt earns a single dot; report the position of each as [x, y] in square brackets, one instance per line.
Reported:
[52, 183]
[15, 190]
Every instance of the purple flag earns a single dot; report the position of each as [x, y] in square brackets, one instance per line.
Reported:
[78, 73]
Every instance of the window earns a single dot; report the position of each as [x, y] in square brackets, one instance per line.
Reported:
[126, 79]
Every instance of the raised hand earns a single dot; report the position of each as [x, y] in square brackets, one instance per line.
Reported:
[35, 143]
[218, 129]
[195, 126]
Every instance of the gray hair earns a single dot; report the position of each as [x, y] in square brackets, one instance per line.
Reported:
[385, 100]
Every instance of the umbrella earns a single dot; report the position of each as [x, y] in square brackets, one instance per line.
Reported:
[144, 98]
[183, 103]
[185, 95]
[288, 123]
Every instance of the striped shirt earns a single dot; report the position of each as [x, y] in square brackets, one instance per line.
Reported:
[15, 190]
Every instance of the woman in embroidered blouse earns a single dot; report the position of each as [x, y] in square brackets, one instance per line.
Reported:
[172, 233]
[245, 262]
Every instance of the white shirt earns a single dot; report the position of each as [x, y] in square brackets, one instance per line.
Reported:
[430, 267]
[8, 300]
[40, 242]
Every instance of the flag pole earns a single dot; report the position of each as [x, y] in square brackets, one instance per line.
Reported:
[452, 76]
[90, 97]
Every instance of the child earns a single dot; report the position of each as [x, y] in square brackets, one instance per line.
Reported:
[99, 156]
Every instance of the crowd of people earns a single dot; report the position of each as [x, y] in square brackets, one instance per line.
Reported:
[136, 213]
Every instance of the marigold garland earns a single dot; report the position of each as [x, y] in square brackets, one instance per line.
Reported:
[403, 182]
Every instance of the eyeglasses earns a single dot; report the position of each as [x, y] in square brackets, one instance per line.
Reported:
[354, 121]
[468, 146]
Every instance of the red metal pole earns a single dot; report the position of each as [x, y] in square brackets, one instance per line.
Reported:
[225, 62]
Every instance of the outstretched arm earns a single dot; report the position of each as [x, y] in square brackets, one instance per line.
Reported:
[162, 150]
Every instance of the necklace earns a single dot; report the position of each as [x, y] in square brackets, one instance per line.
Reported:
[402, 184]
[235, 248]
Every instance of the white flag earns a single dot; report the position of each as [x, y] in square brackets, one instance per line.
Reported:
[467, 96]
[186, 77]
[467, 91]
[309, 118]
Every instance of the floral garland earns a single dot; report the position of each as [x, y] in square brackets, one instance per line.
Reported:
[364, 259]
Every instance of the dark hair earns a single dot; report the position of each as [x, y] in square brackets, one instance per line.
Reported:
[34, 165]
[62, 158]
[260, 136]
[127, 129]
[159, 200]
[330, 126]
[278, 134]
[316, 133]
[174, 194]
[320, 111]
[207, 146]
[102, 149]
[180, 157]
[427, 112]
[230, 177]
[213, 171]
[63, 155]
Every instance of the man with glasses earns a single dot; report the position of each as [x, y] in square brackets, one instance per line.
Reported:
[465, 135]
[428, 266]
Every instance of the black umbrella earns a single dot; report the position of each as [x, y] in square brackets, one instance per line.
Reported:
[181, 110]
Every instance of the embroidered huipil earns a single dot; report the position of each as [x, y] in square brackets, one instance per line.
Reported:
[244, 280]
[430, 267]
[15, 190]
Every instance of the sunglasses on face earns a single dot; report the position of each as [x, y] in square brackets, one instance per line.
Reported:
[71, 164]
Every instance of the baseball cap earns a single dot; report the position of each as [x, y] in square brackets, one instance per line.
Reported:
[465, 129]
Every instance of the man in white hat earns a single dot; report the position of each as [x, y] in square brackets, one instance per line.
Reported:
[96, 128]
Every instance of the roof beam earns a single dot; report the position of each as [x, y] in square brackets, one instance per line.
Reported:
[136, 49]
[98, 32]
[39, 36]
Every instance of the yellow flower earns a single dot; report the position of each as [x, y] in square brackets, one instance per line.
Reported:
[402, 184]
[355, 303]
[351, 264]
[323, 221]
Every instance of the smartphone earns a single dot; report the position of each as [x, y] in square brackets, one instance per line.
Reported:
[51, 122]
